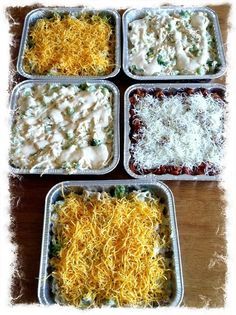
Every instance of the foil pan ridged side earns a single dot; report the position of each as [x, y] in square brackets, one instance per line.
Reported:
[36, 14]
[116, 128]
[45, 293]
[149, 86]
[134, 14]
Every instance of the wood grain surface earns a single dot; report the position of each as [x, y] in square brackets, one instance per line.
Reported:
[199, 205]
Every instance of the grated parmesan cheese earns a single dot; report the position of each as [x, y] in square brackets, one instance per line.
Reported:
[179, 131]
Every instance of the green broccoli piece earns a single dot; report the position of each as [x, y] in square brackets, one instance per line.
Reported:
[55, 248]
[95, 142]
[161, 61]
[120, 191]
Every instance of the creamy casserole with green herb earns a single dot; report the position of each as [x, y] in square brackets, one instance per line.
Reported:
[172, 44]
[58, 126]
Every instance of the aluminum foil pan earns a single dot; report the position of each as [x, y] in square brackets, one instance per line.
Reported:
[134, 14]
[36, 14]
[116, 129]
[127, 142]
[45, 294]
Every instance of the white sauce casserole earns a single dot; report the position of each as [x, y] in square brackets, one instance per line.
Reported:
[172, 44]
[58, 126]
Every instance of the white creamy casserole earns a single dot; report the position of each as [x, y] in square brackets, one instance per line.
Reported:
[57, 126]
[172, 44]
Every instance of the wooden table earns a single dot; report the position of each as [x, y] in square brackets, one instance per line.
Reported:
[200, 213]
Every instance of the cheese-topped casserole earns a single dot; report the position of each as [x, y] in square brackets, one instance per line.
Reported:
[177, 132]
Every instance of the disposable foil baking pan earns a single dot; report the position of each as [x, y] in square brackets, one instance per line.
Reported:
[36, 14]
[45, 294]
[127, 142]
[135, 14]
[116, 129]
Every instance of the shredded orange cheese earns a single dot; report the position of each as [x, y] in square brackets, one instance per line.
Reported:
[108, 251]
[70, 46]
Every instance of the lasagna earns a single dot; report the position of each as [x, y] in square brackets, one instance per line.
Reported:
[176, 131]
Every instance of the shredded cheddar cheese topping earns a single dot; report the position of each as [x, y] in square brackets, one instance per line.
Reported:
[70, 46]
[111, 251]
